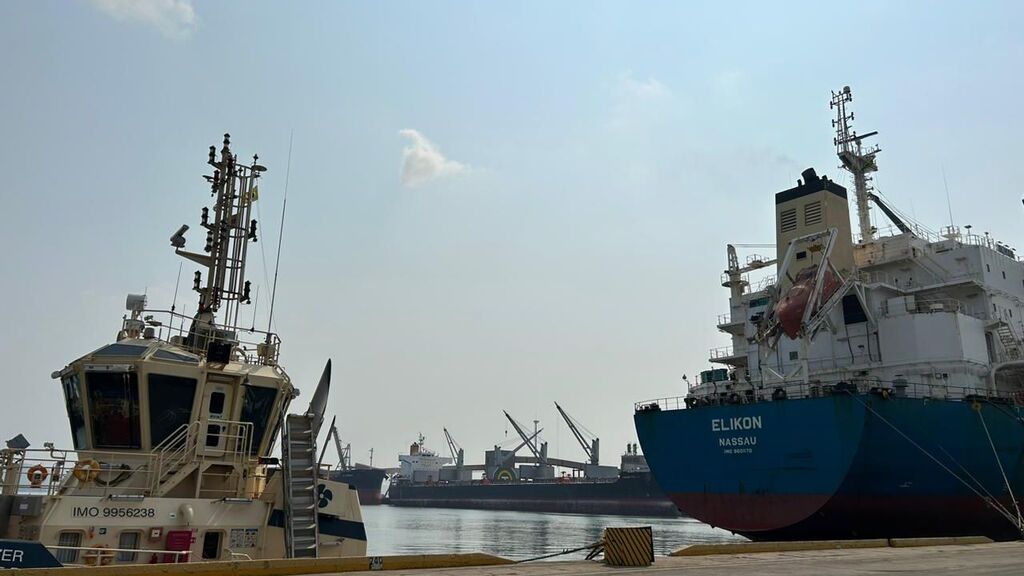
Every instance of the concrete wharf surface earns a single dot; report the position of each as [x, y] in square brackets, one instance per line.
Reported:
[976, 559]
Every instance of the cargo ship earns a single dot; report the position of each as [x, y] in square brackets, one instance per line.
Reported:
[873, 388]
[366, 479]
[507, 481]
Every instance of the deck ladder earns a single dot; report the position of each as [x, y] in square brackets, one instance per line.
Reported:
[1009, 341]
[298, 452]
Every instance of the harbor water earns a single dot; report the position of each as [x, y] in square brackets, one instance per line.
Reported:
[515, 535]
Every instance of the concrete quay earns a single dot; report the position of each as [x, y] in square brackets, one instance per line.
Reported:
[975, 559]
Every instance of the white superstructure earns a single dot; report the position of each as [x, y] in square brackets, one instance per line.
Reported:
[909, 313]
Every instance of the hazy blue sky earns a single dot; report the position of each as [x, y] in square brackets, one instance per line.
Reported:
[492, 205]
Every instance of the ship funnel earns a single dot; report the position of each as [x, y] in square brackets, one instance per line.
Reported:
[816, 204]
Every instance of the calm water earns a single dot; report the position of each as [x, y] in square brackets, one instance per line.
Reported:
[515, 535]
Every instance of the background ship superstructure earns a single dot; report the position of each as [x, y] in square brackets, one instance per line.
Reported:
[871, 389]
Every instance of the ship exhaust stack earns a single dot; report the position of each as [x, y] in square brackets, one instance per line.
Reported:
[816, 204]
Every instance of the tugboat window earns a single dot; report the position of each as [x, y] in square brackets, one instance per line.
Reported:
[114, 409]
[128, 541]
[256, 407]
[170, 405]
[217, 403]
[76, 416]
[68, 542]
[211, 546]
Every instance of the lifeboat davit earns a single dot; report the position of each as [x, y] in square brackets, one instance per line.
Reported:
[790, 309]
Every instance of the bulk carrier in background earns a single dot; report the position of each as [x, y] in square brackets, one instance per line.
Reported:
[509, 481]
[366, 479]
[872, 389]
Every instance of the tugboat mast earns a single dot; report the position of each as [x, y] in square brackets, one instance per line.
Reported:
[856, 160]
[228, 231]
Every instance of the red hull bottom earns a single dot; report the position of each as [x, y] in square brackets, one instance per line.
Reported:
[823, 517]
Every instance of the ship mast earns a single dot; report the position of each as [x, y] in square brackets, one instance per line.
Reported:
[229, 229]
[856, 159]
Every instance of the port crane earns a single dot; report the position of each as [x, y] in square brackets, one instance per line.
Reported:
[592, 448]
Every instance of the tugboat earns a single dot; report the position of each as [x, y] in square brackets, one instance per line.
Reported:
[873, 389]
[173, 425]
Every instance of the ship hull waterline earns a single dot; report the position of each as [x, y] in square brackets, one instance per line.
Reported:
[631, 495]
[840, 467]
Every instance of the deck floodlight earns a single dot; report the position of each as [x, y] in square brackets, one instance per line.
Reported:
[178, 239]
[19, 442]
[135, 303]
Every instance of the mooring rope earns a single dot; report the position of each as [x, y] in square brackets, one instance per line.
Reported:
[992, 502]
[594, 551]
[1020, 521]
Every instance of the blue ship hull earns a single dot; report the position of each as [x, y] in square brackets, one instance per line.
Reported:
[843, 466]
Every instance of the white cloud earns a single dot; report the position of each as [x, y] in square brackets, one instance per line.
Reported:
[173, 18]
[638, 103]
[422, 161]
[650, 89]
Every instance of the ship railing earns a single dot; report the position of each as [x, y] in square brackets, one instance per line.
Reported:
[119, 474]
[248, 344]
[51, 471]
[216, 441]
[730, 318]
[87, 556]
[918, 305]
[780, 391]
[721, 352]
[764, 283]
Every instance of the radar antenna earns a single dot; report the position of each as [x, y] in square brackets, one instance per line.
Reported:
[856, 159]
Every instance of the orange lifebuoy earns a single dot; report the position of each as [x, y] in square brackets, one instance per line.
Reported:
[37, 475]
[86, 470]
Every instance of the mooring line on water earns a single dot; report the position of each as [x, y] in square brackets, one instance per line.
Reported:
[594, 549]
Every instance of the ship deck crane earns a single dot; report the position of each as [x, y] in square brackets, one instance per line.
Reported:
[529, 440]
[458, 454]
[592, 448]
[888, 212]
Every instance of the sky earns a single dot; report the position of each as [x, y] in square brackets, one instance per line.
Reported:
[491, 206]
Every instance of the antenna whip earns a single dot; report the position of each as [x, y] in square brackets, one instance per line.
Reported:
[280, 234]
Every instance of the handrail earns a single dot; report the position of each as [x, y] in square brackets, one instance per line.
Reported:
[100, 551]
[746, 393]
[175, 329]
[49, 471]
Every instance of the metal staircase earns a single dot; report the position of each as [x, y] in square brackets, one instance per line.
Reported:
[1009, 341]
[174, 459]
[298, 451]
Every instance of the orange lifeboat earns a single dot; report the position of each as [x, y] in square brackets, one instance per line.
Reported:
[790, 309]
